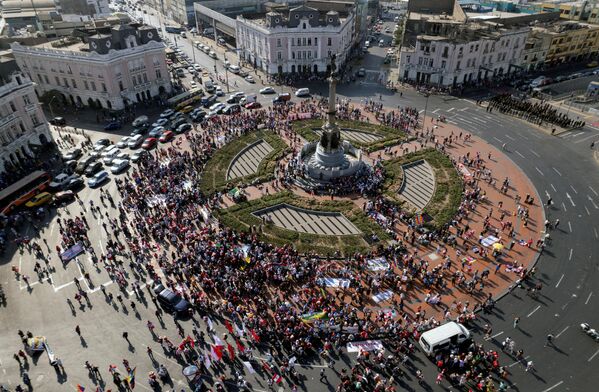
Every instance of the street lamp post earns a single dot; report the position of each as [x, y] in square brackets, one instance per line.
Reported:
[50, 105]
[425, 108]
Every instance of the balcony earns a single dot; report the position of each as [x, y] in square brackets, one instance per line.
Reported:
[7, 119]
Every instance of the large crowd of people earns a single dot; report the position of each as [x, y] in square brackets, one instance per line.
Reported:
[271, 298]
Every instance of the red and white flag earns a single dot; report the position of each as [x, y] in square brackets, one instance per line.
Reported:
[277, 378]
[255, 335]
[228, 326]
[231, 351]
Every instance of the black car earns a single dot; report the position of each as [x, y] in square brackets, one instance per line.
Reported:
[183, 128]
[93, 168]
[74, 184]
[232, 109]
[234, 99]
[175, 124]
[58, 121]
[170, 301]
[198, 116]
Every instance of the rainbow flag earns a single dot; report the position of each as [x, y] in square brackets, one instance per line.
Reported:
[80, 388]
[131, 378]
[310, 317]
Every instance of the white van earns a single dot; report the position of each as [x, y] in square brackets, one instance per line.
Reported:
[382, 43]
[443, 337]
[367, 44]
[234, 68]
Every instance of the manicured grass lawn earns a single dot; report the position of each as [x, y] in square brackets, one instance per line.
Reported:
[448, 189]
[389, 136]
[240, 218]
[214, 176]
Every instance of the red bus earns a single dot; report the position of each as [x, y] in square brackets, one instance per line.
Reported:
[23, 190]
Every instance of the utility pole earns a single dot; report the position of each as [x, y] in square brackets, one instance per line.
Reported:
[425, 108]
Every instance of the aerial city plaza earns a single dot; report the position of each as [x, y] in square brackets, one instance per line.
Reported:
[312, 195]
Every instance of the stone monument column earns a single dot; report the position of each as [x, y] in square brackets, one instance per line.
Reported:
[331, 136]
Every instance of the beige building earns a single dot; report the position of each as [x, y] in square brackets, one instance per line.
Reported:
[570, 41]
[23, 126]
[110, 67]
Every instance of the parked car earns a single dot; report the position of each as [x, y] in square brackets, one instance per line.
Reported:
[212, 54]
[234, 68]
[98, 179]
[59, 181]
[39, 200]
[282, 98]
[58, 121]
[267, 90]
[167, 113]
[135, 141]
[170, 301]
[140, 121]
[103, 142]
[253, 105]
[82, 164]
[166, 136]
[113, 125]
[123, 142]
[361, 72]
[302, 92]
[232, 109]
[217, 108]
[149, 143]
[74, 184]
[61, 198]
[93, 168]
[250, 79]
[119, 165]
[73, 154]
[186, 109]
[184, 128]
[137, 156]
[218, 90]
[175, 124]
[97, 151]
[208, 101]
[157, 131]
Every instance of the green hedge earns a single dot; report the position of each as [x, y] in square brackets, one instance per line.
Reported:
[449, 187]
[239, 217]
[389, 136]
[214, 175]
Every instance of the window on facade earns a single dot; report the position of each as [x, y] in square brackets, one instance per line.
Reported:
[93, 86]
[46, 78]
[304, 25]
[309, 54]
[26, 100]
[22, 128]
[299, 42]
[66, 84]
[138, 79]
[145, 77]
[303, 41]
[430, 63]
[329, 53]
[293, 55]
[461, 52]
[443, 63]
[445, 52]
[309, 41]
[315, 40]
[329, 41]
[278, 42]
[458, 65]
[12, 107]
[86, 85]
[419, 60]
[57, 80]
[158, 74]
[104, 87]
[279, 55]
[73, 83]
[121, 88]
[34, 119]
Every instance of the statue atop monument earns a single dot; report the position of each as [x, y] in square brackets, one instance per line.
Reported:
[331, 137]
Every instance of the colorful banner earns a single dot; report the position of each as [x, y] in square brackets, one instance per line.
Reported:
[490, 240]
[333, 282]
[310, 317]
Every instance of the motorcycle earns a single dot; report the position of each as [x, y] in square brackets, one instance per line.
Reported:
[586, 328]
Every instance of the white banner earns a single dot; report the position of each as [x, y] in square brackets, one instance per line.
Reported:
[378, 264]
[382, 296]
[490, 240]
[334, 282]
[366, 345]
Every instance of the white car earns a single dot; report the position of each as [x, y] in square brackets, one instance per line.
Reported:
[219, 91]
[135, 141]
[250, 79]
[60, 180]
[302, 92]
[197, 67]
[123, 142]
[97, 150]
[118, 165]
[212, 54]
[193, 84]
[267, 90]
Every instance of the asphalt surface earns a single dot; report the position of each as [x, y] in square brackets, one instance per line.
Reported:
[560, 166]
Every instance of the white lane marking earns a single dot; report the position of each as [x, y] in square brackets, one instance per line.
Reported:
[552, 187]
[497, 334]
[553, 387]
[534, 310]
[547, 194]
[560, 334]
[450, 110]
[557, 171]
[592, 202]
[575, 191]
[499, 140]
[596, 234]
[591, 188]
[559, 281]
[452, 122]
[586, 138]
[570, 257]
[588, 298]
[422, 111]
[593, 356]
[535, 153]
[518, 152]
[466, 121]
[564, 206]
[509, 137]
[570, 226]
[587, 210]
[570, 198]
[539, 171]
[462, 109]
[436, 110]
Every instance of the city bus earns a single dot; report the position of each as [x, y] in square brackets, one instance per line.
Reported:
[173, 29]
[21, 191]
[187, 98]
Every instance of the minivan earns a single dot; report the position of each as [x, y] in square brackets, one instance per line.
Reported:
[444, 337]
[170, 301]
[248, 99]
[234, 68]
[302, 92]
[135, 141]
